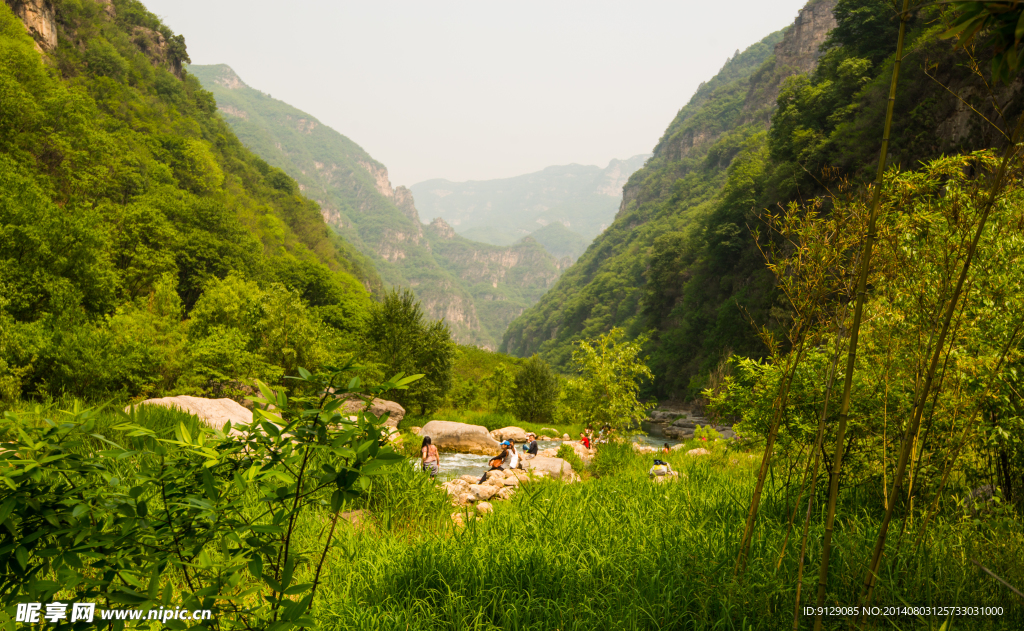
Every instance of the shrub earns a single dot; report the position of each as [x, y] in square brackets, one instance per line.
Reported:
[536, 392]
[568, 454]
[707, 432]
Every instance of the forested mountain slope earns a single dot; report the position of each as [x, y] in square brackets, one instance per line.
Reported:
[791, 115]
[357, 199]
[582, 199]
[142, 247]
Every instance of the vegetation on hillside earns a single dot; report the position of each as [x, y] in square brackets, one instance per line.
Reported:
[127, 207]
[477, 288]
[681, 260]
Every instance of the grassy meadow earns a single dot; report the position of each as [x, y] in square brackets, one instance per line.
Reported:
[617, 551]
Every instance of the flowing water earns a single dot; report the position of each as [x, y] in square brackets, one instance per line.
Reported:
[455, 464]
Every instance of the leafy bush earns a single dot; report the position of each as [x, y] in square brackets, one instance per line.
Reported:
[610, 370]
[567, 453]
[535, 392]
[706, 432]
[210, 518]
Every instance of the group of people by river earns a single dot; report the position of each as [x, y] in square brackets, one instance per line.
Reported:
[511, 455]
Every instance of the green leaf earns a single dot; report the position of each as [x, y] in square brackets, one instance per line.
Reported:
[7, 507]
[183, 435]
[272, 582]
[21, 554]
[208, 485]
[256, 565]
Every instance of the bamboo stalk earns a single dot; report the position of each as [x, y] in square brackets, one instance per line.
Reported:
[997, 183]
[819, 439]
[755, 499]
[865, 267]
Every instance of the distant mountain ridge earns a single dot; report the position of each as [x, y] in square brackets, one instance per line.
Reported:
[477, 288]
[582, 198]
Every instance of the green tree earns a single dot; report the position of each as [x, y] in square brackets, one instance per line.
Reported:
[610, 370]
[535, 393]
[403, 341]
[500, 385]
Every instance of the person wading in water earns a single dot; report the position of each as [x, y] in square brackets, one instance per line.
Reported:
[428, 452]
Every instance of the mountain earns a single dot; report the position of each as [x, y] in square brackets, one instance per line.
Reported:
[797, 112]
[477, 288]
[143, 248]
[583, 199]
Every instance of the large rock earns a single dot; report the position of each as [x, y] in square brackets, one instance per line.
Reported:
[214, 412]
[554, 467]
[461, 437]
[378, 407]
[517, 434]
[484, 491]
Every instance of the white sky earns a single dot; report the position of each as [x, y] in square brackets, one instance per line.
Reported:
[479, 90]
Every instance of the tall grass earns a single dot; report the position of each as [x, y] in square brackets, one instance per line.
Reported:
[618, 551]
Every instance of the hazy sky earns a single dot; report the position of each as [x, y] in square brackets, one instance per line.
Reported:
[479, 90]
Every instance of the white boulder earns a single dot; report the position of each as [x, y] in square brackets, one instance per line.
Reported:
[461, 437]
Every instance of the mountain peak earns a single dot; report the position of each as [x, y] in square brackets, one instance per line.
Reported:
[226, 77]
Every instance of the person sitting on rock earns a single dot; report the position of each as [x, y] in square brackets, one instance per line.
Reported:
[514, 461]
[585, 440]
[666, 448]
[660, 468]
[430, 459]
[531, 446]
[496, 462]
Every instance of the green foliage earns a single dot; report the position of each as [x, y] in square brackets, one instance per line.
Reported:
[1002, 23]
[535, 392]
[119, 186]
[865, 29]
[403, 341]
[567, 453]
[208, 519]
[605, 392]
[706, 432]
[683, 260]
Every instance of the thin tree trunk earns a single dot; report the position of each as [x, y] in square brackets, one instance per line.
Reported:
[755, 499]
[865, 267]
[819, 439]
[997, 183]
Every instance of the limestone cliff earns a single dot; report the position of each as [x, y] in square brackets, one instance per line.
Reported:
[39, 19]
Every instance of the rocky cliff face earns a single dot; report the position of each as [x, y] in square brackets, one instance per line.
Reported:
[39, 18]
[797, 53]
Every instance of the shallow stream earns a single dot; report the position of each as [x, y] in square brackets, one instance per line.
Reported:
[455, 464]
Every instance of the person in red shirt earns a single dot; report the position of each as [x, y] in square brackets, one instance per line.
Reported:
[584, 440]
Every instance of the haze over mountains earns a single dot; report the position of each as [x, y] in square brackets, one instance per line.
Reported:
[562, 207]
[477, 287]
